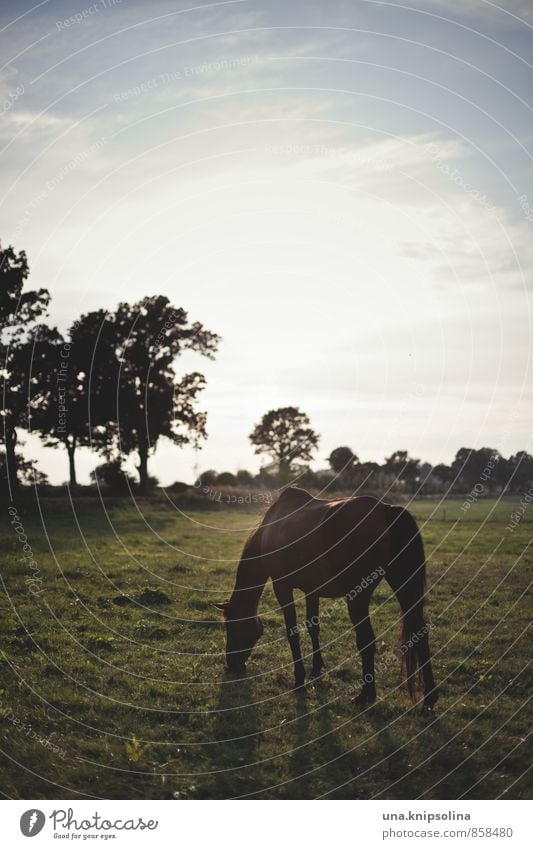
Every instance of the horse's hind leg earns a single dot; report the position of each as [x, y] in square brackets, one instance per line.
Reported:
[366, 644]
[431, 693]
[313, 627]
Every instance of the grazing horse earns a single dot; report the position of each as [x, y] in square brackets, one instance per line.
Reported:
[333, 549]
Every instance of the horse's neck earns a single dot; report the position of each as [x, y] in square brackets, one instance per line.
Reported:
[247, 598]
[250, 580]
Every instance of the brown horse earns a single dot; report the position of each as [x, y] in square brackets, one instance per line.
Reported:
[333, 549]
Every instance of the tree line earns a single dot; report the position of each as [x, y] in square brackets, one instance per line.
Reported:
[110, 384]
[292, 442]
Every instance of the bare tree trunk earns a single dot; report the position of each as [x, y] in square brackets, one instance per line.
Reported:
[71, 449]
[143, 470]
[284, 470]
[11, 461]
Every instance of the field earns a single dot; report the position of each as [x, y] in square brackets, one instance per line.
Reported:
[113, 683]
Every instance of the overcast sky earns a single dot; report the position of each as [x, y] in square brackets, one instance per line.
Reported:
[342, 190]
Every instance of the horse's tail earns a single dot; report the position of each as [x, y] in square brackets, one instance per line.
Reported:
[406, 574]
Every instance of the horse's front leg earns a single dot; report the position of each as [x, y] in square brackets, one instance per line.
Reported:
[313, 627]
[286, 600]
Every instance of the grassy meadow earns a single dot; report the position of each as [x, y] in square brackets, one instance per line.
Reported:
[113, 683]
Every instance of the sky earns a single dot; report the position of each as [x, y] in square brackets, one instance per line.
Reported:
[343, 191]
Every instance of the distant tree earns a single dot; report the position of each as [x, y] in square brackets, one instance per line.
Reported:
[443, 473]
[268, 476]
[244, 477]
[309, 479]
[151, 401]
[178, 487]
[112, 477]
[461, 469]
[365, 474]
[207, 478]
[403, 467]
[342, 461]
[226, 479]
[501, 477]
[285, 435]
[426, 480]
[18, 308]
[473, 466]
[519, 471]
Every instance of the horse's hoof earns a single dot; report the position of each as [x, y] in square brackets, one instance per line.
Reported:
[315, 673]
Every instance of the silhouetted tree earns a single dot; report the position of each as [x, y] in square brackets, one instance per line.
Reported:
[443, 473]
[226, 479]
[28, 385]
[27, 470]
[151, 402]
[18, 308]
[473, 466]
[403, 467]
[306, 477]
[519, 471]
[285, 435]
[207, 478]
[81, 409]
[342, 461]
[244, 477]
[112, 477]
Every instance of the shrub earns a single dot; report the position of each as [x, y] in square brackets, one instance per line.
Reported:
[226, 479]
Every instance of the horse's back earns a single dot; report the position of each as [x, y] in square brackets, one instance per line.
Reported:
[326, 547]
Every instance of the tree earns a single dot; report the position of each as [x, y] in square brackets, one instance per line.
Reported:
[82, 404]
[28, 386]
[244, 477]
[403, 467]
[207, 478]
[367, 473]
[342, 461]
[475, 467]
[226, 479]
[27, 471]
[285, 435]
[519, 471]
[112, 477]
[150, 401]
[443, 473]
[18, 309]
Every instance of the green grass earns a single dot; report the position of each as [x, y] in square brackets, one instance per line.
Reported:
[118, 664]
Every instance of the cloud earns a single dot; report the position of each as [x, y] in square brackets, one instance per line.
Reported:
[307, 210]
[512, 12]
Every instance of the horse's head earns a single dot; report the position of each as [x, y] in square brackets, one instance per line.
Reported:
[242, 633]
